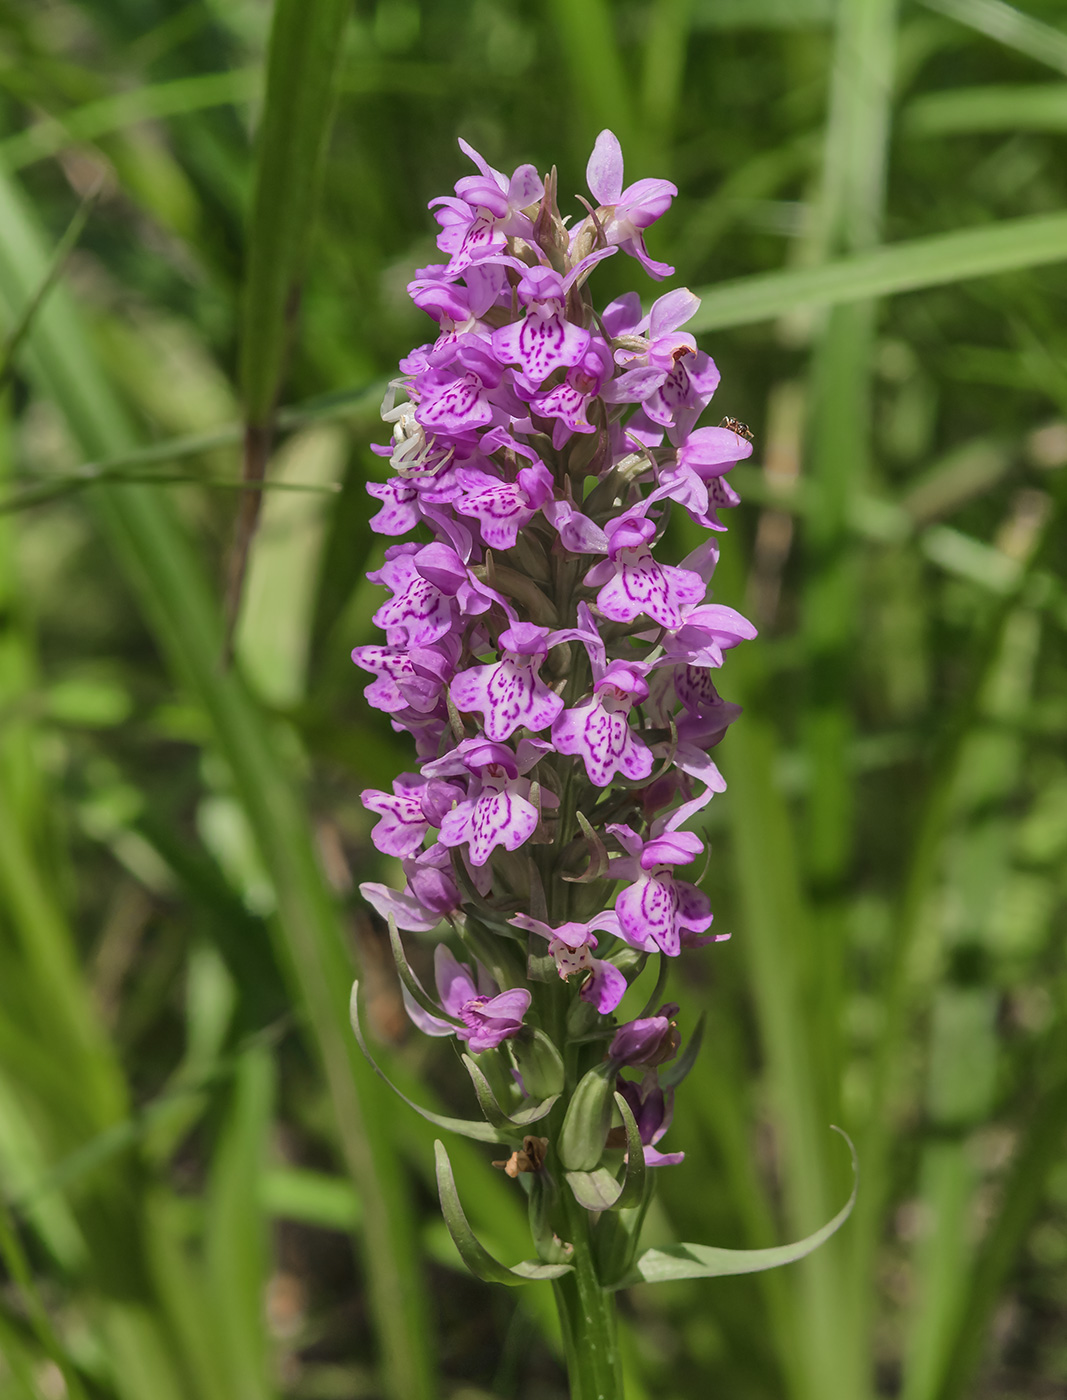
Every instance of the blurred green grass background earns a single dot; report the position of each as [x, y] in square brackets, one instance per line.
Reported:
[204, 1193]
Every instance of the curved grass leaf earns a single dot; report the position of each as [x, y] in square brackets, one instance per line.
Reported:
[991, 107]
[305, 49]
[633, 1183]
[670, 1076]
[473, 1253]
[95, 119]
[937, 261]
[17, 1265]
[324, 408]
[414, 987]
[600, 1189]
[1008, 26]
[494, 1114]
[64, 248]
[707, 1261]
[487, 1102]
[480, 1132]
[656, 998]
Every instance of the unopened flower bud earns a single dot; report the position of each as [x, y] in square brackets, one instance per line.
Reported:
[588, 1121]
[653, 1040]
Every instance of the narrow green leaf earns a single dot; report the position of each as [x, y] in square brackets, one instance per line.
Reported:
[633, 1183]
[662, 80]
[310, 1197]
[539, 1062]
[602, 87]
[1021, 1197]
[23, 1373]
[236, 1252]
[671, 1075]
[474, 1254]
[305, 48]
[494, 1114]
[59, 487]
[993, 107]
[17, 1265]
[1008, 26]
[971, 559]
[96, 119]
[480, 1132]
[64, 248]
[414, 987]
[321, 409]
[937, 261]
[706, 1261]
[585, 1127]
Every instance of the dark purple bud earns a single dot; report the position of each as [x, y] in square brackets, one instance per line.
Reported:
[653, 1040]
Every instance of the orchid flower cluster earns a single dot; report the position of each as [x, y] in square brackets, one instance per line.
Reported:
[556, 676]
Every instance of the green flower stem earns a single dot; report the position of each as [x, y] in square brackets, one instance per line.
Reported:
[587, 1315]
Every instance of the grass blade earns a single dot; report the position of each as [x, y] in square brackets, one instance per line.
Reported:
[66, 245]
[1008, 26]
[937, 261]
[236, 1232]
[96, 119]
[602, 87]
[961, 111]
[305, 48]
[1039, 1151]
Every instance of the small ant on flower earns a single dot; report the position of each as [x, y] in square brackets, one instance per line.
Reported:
[736, 426]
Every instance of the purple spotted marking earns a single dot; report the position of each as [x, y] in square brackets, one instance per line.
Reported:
[418, 614]
[599, 729]
[633, 583]
[510, 694]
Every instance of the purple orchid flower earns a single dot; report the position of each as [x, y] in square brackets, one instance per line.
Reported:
[497, 810]
[652, 1108]
[510, 693]
[524, 537]
[399, 512]
[625, 214]
[465, 389]
[415, 804]
[503, 508]
[658, 910]
[633, 583]
[488, 209]
[443, 567]
[407, 678]
[431, 894]
[544, 340]
[571, 945]
[576, 531]
[705, 633]
[418, 614]
[569, 402]
[487, 1016]
[599, 729]
[665, 371]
